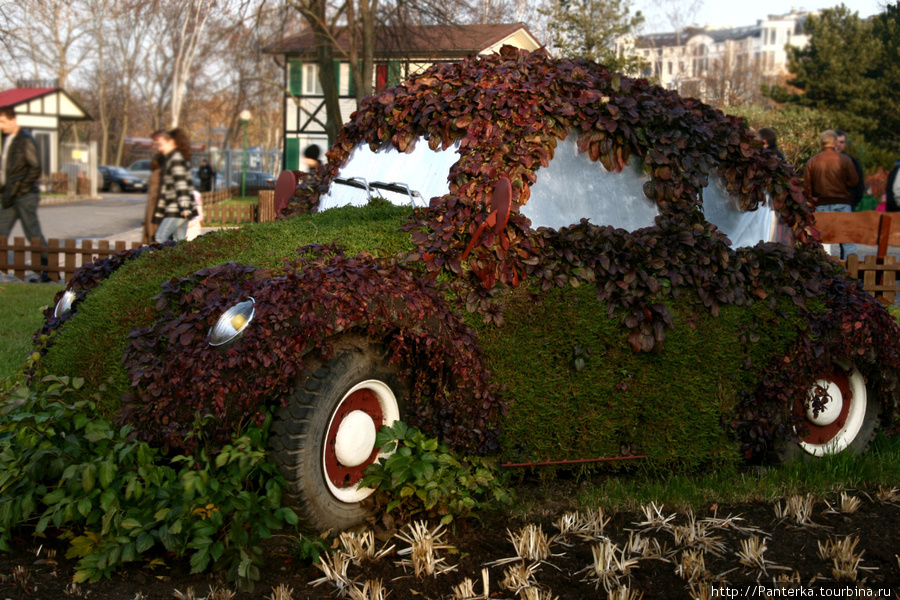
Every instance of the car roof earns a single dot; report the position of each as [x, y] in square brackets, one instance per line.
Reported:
[509, 110]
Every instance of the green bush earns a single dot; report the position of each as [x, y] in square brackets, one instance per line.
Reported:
[62, 466]
[798, 128]
[92, 343]
[798, 134]
[423, 478]
[578, 390]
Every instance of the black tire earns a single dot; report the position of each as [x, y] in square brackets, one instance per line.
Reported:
[115, 188]
[850, 429]
[297, 440]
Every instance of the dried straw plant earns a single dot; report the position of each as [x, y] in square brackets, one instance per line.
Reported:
[424, 546]
[609, 565]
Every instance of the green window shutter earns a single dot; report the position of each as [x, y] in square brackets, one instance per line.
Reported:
[295, 77]
[292, 154]
[393, 77]
[337, 76]
[352, 82]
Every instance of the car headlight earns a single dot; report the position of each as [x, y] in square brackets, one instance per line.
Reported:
[64, 304]
[232, 323]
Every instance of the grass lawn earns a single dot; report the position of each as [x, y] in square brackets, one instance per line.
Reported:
[23, 307]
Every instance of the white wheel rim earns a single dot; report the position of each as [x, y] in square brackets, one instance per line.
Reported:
[354, 438]
[846, 429]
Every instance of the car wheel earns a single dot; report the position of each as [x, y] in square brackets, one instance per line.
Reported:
[847, 423]
[325, 436]
[115, 188]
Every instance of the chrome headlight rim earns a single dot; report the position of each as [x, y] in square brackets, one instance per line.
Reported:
[64, 305]
[224, 331]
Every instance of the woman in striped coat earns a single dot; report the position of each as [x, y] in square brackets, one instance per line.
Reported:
[175, 204]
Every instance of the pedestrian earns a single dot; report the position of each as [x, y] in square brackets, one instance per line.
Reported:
[840, 144]
[207, 176]
[20, 170]
[150, 223]
[829, 180]
[769, 139]
[175, 205]
[311, 158]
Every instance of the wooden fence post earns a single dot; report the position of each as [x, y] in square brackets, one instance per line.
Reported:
[266, 212]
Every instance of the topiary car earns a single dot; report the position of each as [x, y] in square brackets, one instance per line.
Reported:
[524, 256]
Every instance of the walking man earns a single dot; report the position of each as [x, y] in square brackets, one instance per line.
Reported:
[829, 182]
[20, 169]
[859, 190]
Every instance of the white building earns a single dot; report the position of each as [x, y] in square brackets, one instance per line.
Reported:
[719, 64]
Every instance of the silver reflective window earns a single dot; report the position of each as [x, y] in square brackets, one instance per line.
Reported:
[574, 187]
[743, 228]
[423, 170]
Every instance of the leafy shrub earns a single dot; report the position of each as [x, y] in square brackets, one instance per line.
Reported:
[798, 128]
[63, 467]
[422, 478]
[96, 332]
[317, 297]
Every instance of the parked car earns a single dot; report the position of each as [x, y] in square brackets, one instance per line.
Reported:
[256, 179]
[140, 168]
[527, 257]
[116, 179]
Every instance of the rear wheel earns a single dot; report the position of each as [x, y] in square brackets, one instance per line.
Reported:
[847, 422]
[325, 437]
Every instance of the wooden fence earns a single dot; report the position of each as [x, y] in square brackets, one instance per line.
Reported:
[871, 228]
[214, 211]
[64, 257]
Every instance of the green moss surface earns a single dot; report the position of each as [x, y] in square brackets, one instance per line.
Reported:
[673, 406]
[91, 343]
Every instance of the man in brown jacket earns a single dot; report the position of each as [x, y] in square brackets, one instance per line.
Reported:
[829, 182]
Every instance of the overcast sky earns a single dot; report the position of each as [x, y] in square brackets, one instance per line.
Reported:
[720, 13]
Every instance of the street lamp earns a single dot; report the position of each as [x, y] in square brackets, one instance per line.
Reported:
[245, 120]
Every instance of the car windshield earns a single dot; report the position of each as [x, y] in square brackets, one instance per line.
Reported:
[388, 172]
[118, 171]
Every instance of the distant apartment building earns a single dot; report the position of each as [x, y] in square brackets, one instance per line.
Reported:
[724, 66]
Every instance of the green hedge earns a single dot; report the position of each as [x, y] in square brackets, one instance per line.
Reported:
[92, 342]
[672, 406]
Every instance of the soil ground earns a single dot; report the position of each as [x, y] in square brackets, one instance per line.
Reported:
[710, 551]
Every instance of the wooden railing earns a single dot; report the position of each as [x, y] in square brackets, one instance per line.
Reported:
[64, 257]
[870, 228]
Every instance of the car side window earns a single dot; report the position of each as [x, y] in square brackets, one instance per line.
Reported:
[387, 173]
[743, 228]
[573, 187]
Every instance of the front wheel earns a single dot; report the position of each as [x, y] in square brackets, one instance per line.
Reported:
[115, 187]
[325, 437]
[847, 422]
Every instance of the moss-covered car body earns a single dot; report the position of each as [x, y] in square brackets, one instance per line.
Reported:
[539, 344]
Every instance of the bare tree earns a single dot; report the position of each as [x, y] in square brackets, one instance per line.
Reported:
[46, 37]
[680, 14]
[733, 78]
[192, 16]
